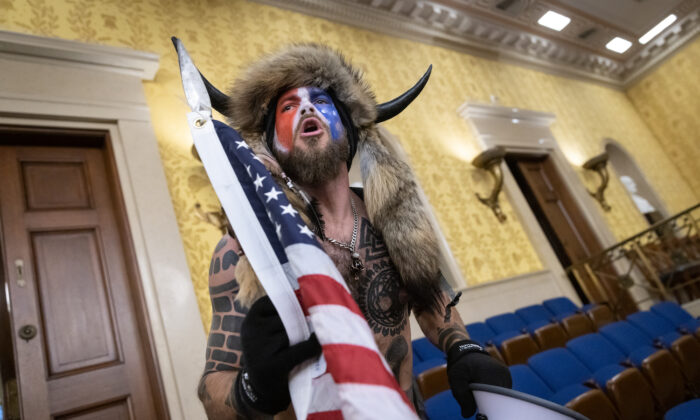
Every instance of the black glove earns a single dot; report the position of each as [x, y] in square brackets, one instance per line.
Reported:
[268, 359]
[468, 362]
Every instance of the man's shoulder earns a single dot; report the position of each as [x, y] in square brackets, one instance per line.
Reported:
[223, 261]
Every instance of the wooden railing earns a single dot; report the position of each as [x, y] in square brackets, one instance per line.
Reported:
[659, 263]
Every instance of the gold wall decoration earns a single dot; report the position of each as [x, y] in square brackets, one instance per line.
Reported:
[224, 36]
[668, 100]
[599, 165]
[490, 160]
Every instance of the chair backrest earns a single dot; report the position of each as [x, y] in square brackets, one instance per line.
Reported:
[650, 323]
[551, 336]
[443, 406]
[518, 349]
[577, 325]
[560, 305]
[479, 331]
[559, 368]
[432, 381]
[426, 350]
[506, 322]
[672, 312]
[625, 336]
[526, 380]
[534, 313]
[595, 351]
[600, 315]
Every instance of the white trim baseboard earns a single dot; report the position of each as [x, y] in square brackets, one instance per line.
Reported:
[58, 83]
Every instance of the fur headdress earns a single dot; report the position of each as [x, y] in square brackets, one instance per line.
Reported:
[390, 191]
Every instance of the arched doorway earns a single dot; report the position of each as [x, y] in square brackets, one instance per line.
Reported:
[640, 191]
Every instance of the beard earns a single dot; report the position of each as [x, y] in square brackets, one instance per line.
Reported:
[313, 166]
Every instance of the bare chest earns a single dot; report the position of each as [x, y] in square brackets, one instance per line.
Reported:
[378, 292]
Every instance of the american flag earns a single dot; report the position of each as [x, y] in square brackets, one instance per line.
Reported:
[352, 380]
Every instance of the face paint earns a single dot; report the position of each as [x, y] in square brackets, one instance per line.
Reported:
[297, 105]
[323, 103]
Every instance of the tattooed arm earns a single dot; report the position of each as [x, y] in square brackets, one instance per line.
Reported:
[216, 388]
[467, 361]
[438, 331]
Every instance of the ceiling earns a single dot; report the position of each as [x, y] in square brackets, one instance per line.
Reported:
[507, 30]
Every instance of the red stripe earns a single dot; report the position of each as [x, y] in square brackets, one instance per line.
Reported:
[325, 415]
[317, 289]
[349, 363]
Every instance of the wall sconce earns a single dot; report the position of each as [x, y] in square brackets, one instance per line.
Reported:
[599, 165]
[217, 219]
[490, 160]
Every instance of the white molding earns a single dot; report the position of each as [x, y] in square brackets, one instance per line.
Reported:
[113, 59]
[655, 197]
[479, 28]
[81, 86]
[493, 126]
[663, 47]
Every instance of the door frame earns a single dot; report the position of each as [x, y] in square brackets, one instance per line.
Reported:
[66, 84]
[528, 132]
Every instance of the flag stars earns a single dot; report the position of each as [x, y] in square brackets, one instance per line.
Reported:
[305, 230]
[272, 194]
[247, 169]
[242, 144]
[288, 209]
[259, 183]
[278, 230]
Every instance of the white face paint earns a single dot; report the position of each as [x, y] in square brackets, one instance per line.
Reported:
[305, 113]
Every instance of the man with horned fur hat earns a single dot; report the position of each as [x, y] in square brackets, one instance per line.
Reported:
[305, 111]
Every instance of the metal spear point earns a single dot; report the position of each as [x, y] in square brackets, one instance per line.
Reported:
[195, 90]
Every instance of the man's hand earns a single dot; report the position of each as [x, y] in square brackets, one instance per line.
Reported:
[468, 362]
[268, 359]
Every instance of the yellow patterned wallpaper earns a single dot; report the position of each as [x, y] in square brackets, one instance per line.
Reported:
[223, 36]
[669, 101]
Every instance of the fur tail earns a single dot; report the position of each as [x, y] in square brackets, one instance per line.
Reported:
[396, 210]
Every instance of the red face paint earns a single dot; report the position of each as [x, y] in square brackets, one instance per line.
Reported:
[285, 115]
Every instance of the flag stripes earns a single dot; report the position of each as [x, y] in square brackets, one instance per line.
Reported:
[363, 385]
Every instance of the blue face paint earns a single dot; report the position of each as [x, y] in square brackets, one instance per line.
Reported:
[324, 104]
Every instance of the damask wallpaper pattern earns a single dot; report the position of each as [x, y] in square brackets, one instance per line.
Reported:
[223, 36]
[669, 101]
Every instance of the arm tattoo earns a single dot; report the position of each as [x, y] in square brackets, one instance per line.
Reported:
[202, 392]
[396, 353]
[450, 335]
[224, 349]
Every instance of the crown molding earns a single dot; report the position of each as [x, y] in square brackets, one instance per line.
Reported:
[143, 65]
[471, 26]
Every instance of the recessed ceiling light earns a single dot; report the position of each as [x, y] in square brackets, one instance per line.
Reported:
[657, 29]
[618, 45]
[554, 20]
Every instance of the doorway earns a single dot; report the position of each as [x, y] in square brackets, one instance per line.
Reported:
[78, 342]
[645, 199]
[561, 220]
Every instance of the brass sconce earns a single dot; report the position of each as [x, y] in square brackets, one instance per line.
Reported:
[490, 160]
[217, 219]
[599, 165]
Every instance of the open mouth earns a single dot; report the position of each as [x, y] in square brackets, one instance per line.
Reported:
[311, 127]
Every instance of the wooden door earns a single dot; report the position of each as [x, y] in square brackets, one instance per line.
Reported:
[561, 219]
[90, 357]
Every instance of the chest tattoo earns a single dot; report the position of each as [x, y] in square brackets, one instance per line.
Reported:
[378, 290]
